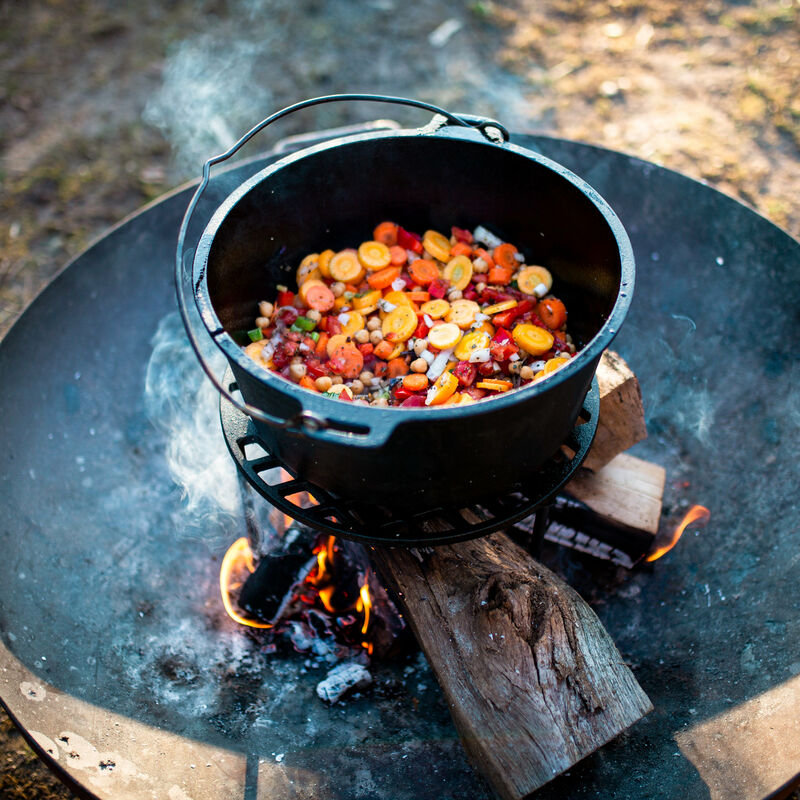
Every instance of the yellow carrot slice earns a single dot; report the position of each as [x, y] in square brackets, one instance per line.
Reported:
[533, 339]
[437, 245]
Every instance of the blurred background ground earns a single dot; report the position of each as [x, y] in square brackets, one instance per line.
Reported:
[105, 106]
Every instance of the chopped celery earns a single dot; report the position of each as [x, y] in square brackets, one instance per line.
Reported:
[255, 335]
[305, 323]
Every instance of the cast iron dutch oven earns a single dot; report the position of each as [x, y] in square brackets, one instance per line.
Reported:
[456, 171]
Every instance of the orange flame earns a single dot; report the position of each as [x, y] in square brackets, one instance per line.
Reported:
[238, 557]
[694, 514]
[364, 603]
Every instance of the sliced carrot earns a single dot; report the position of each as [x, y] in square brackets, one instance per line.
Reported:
[379, 369]
[344, 266]
[374, 255]
[419, 296]
[460, 249]
[484, 254]
[504, 255]
[307, 382]
[320, 349]
[384, 349]
[423, 271]
[397, 255]
[397, 367]
[320, 298]
[552, 312]
[500, 275]
[386, 233]
[383, 277]
[347, 361]
[416, 382]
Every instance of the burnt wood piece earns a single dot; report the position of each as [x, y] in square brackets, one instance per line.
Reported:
[533, 680]
[621, 423]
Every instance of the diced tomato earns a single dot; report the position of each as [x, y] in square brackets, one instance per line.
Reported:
[366, 348]
[469, 293]
[409, 241]
[486, 368]
[475, 393]
[334, 326]
[422, 329]
[502, 346]
[284, 299]
[465, 372]
[439, 288]
[461, 234]
[414, 401]
[287, 315]
[316, 369]
[495, 295]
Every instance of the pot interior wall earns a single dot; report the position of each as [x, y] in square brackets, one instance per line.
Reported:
[334, 197]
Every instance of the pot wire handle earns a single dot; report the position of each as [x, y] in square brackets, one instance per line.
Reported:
[306, 420]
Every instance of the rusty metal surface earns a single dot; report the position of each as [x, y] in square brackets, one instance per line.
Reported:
[116, 657]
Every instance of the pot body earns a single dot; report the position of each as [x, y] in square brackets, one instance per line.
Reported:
[331, 196]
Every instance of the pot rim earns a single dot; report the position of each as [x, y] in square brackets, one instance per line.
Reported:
[307, 399]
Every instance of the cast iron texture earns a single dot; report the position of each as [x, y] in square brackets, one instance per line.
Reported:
[108, 596]
[332, 195]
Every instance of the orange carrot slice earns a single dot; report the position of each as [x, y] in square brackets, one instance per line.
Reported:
[397, 367]
[386, 233]
[416, 382]
[504, 255]
[320, 298]
[423, 271]
[397, 255]
[347, 361]
[383, 277]
[500, 275]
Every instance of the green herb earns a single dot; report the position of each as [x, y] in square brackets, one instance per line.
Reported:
[514, 284]
[315, 335]
[255, 335]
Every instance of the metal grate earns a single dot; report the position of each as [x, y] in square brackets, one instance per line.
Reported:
[374, 524]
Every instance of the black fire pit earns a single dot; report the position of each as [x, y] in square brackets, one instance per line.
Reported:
[120, 667]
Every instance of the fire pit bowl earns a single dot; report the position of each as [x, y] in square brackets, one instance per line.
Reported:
[456, 170]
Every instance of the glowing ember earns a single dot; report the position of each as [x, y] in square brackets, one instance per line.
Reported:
[238, 559]
[694, 514]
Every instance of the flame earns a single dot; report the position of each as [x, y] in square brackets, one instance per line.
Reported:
[694, 514]
[364, 603]
[239, 556]
[300, 499]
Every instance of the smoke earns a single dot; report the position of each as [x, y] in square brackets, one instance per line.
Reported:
[183, 404]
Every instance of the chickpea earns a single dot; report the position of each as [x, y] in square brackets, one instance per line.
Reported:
[380, 401]
[265, 309]
[455, 294]
[297, 371]
[336, 380]
[262, 322]
[480, 266]
[419, 365]
[515, 367]
[356, 387]
[526, 373]
[337, 289]
[297, 360]
[376, 337]
[479, 287]
[366, 377]
[362, 336]
[420, 346]
[374, 324]
[323, 383]
[313, 315]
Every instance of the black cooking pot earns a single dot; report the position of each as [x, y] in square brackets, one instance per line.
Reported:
[456, 171]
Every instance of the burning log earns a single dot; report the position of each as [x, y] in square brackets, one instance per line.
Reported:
[533, 680]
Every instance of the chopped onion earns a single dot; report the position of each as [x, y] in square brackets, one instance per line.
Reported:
[537, 365]
[540, 290]
[267, 351]
[428, 320]
[514, 357]
[412, 256]
[438, 364]
[428, 356]
[480, 263]
[375, 381]
[519, 257]
[481, 317]
[386, 306]
[398, 284]
[487, 237]
[304, 348]
[343, 318]
[480, 356]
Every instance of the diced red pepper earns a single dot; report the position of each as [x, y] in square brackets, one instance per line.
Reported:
[287, 315]
[470, 293]
[366, 348]
[401, 392]
[414, 401]
[334, 326]
[316, 369]
[409, 241]
[495, 295]
[284, 299]
[346, 397]
[461, 234]
[439, 288]
[505, 319]
[486, 368]
[422, 329]
[465, 372]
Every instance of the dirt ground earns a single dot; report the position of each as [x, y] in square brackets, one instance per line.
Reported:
[105, 106]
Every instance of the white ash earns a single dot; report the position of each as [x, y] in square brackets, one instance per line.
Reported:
[341, 680]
